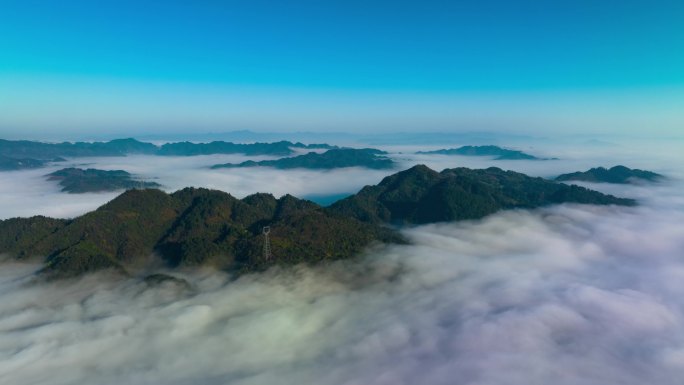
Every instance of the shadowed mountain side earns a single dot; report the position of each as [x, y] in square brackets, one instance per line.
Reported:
[498, 152]
[188, 228]
[617, 174]
[337, 158]
[76, 180]
[421, 195]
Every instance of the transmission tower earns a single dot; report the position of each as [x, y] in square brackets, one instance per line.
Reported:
[267, 242]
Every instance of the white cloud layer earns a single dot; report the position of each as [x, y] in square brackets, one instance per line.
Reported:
[27, 193]
[564, 295]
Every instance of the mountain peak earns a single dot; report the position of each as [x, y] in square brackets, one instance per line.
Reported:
[417, 173]
[421, 195]
[618, 174]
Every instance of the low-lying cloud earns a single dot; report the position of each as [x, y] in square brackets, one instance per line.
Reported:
[567, 294]
[27, 193]
[564, 295]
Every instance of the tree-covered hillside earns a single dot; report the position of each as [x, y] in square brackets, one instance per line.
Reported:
[197, 227]
[422, 195]
[187, 228]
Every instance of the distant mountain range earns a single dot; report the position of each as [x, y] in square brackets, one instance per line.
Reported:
[373, 138]
[23, 149]
[498, 152]
[283, 148]
[46, 151]
[76, 180]
[617, 174]
[10, 164]
[145, 228]
[337, 158]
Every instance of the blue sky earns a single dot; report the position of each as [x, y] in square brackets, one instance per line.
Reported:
[538, 66]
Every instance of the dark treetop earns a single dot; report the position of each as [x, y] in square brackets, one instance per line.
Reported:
[76, 180]
[617, 174]
[337, 158]
[205, 227]
[498, 152]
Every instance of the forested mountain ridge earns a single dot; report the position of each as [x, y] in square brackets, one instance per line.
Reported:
[421, 195]
[617, 174]
[187, 228]
[193, 227]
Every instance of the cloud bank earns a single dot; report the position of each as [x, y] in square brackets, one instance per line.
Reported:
[566, 294]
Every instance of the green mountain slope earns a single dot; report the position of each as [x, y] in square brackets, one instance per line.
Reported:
[188, 228]
[421, 195]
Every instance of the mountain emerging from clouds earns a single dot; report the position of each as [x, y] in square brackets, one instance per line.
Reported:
[336, 158]
[120, 147]
[617, 174]
[77, 180]
[142, 229]
[422, 195]
[498, 152]
[190, 227]
[220, 147]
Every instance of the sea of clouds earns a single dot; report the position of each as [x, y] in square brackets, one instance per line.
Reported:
[568, 294]
[27, 193]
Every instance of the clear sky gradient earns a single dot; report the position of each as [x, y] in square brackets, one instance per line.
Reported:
[529, 66]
